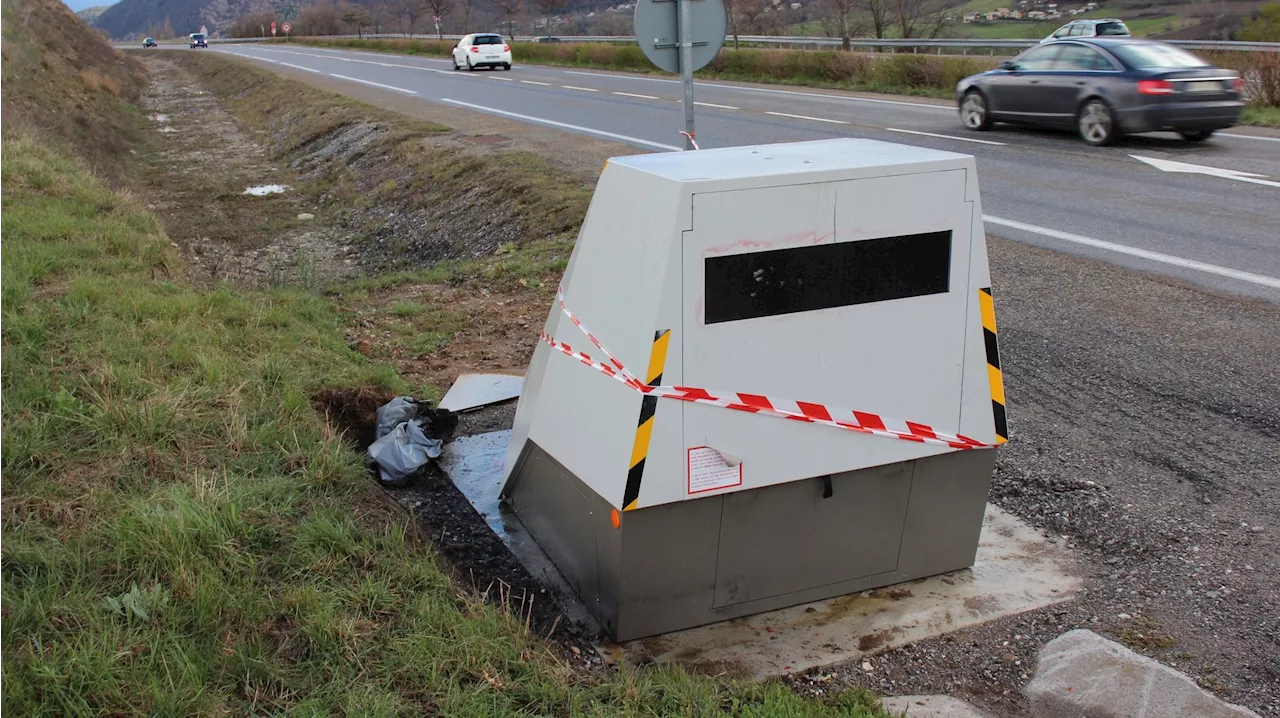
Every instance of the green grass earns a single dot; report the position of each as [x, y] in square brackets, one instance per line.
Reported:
[1263, 116]
[406, 309]
[1022, 30]
[184, 535]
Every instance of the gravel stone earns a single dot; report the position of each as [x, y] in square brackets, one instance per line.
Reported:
[1083, 674]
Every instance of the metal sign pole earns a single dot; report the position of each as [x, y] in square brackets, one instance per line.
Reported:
[686, 68]
[681, 36]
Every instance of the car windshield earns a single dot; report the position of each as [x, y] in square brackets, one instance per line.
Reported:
[197, 37]
[487, 40]
[1149, 57]
[1111, 28]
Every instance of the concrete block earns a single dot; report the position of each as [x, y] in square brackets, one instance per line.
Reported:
[931, 707]
[1083, 675]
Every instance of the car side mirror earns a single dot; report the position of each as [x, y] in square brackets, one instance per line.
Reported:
[1009, 65]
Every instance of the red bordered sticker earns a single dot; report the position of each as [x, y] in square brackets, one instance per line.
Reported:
[708, 471]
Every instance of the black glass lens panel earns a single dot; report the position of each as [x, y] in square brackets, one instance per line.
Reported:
[804, 279]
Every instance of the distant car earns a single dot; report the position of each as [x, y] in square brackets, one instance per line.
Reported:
[547, 39]
[1096, 27]
[1105, 88]
[482, 50]
[148, 43]
[198, 40]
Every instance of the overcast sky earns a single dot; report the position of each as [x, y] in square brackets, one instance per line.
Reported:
[78, 5]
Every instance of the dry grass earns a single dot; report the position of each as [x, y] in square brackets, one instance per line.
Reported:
[94, 80]
[58, 72]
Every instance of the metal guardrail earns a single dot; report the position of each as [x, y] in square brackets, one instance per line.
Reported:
[936, 44]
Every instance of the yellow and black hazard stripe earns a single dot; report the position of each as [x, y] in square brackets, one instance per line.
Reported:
[644, 430]
[994, 376]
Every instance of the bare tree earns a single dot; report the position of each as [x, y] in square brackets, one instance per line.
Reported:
[878, 13]
[731, 9]
[358, 18]
[319, 19]
[510, 9]
[441, 9]
[161, 31]
[465, 6]
[551, 7]
[841, 20]
[411, 11]
[751, 15]
[920, 18]
[251, 25]
[385, 14]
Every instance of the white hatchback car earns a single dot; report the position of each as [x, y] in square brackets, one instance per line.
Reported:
[483, 49]
[1096, 27]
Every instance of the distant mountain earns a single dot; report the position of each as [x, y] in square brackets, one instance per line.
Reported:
[184, 16]
[90, 14]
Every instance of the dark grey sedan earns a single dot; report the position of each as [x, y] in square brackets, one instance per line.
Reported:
[1105, 88]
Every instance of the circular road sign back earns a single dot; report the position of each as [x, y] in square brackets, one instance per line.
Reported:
[657, 31]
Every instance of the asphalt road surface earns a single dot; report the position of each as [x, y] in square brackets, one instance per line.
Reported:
[1213, 220]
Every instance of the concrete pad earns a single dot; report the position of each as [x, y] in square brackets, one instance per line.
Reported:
[472, 391]
[931, 707]
[1016, 570]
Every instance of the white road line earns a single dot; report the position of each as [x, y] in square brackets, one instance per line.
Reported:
[1258, 279]
[553, 123]
[362, 62]
[944, 108]
[945, 137]
[632, 94]
[575, 87]
[375, 84]
[504, 79]
[806, 117]
[614, 77]
[1249, 137]
[533, 82]
[300, 67]
[712, 104]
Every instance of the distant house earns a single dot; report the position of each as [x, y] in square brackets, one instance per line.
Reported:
[1091, 6]
[1002, 12]
[972, 17]
[1037, 15]
[1017, 15]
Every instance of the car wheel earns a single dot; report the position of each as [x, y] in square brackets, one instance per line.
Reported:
[470, 67]
[1097, 124]
[454, 59]
[1196, 135]
[973, 111]
[506, 67]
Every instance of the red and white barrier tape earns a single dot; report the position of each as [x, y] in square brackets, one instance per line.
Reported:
[811, 413]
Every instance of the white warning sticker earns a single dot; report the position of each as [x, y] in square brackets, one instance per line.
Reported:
[709, 471]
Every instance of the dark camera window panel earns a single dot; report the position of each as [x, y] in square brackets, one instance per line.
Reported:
[804, 279]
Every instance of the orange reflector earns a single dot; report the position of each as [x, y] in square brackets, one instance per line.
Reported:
[617, 520]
